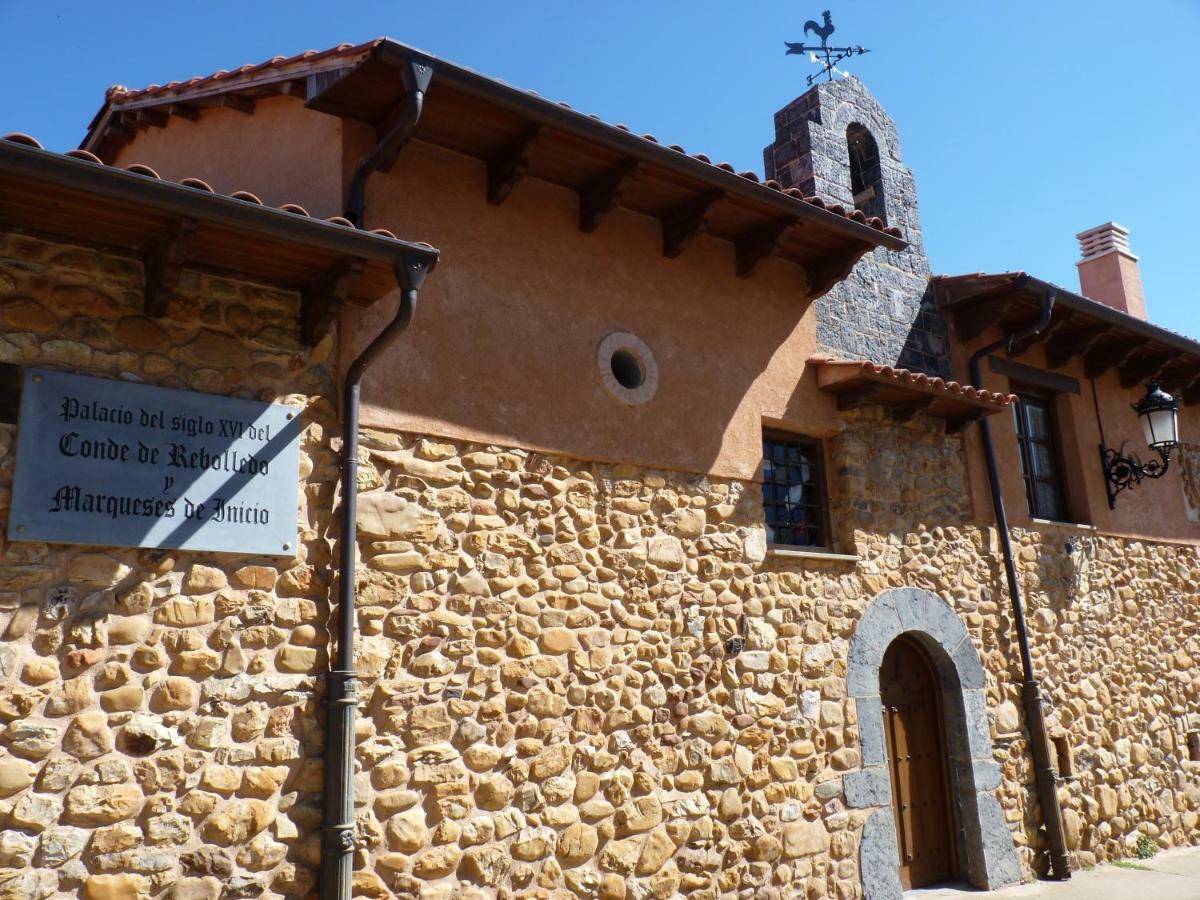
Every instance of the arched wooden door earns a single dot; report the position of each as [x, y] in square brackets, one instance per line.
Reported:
[912, 714]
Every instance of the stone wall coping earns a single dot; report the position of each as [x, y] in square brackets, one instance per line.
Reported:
[826, 555]
[1054, 523]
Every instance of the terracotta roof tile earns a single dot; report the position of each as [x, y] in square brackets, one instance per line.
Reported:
[920, 379]
[194, 183]
[120, 95]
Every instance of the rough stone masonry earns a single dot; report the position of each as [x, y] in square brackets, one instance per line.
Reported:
[551, 705]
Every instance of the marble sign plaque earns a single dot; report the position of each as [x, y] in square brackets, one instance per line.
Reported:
[121, 464]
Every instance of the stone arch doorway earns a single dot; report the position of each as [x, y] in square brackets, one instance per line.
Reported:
[913, 729]
[983, 850]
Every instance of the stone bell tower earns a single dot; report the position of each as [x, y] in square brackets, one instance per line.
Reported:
[836, 142]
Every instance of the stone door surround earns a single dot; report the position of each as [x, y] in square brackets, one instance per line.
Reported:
[987, 857]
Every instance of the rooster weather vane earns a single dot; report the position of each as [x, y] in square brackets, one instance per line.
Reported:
[825, 56]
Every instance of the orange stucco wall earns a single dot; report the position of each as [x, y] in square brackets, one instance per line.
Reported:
[280, 153]
[503, 346]
[1155, 508]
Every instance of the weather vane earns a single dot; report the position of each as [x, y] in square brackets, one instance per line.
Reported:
[825, 56]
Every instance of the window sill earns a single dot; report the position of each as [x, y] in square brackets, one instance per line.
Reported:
[1057, 524]
[785, 552]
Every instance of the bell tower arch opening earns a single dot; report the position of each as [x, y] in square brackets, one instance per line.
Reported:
[866, 172]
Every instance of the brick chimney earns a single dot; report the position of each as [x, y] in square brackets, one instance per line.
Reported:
[1108, 272]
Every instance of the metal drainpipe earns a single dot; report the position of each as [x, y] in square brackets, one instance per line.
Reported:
[415, 76]
[341, 692]
[1031, 691]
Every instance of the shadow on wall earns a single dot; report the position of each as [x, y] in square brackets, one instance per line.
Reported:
[504, 347]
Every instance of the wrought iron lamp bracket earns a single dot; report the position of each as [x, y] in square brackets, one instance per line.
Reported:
[1123, 472]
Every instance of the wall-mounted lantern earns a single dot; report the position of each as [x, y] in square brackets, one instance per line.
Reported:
[1159, 412]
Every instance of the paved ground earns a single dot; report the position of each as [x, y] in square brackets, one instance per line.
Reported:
[1173, 875]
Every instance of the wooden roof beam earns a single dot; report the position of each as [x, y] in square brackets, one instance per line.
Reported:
[1144, 369]
[1105, 357]
[979, 315]
[858, 396]
[184, 111]
[151, 118]
[506, 168]
[959, 422]
[1191, 394]
[687, 222]
[904, 412]
[823, 276]
[164, 266]
[603, 195]
[755, 247]
[1059, 318]
[1062, 348]
[321, 301]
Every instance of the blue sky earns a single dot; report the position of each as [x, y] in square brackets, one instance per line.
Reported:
[1025, 122]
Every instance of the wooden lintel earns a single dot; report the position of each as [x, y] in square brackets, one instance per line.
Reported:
[1060, 317]
[1103, 357]
[155, 118]
[603, 195]
[959, 422]
[164, 265]
[758, 245]
[905, 411]
[1062, 348]
[685, 224]
[322, 300]
[505, 169]
[860, 395]
[1143, 369]
[979, 316]
[822, 277]
[184, 111]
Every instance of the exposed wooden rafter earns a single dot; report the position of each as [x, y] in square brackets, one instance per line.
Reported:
[184, 111]
[152, 118]
[1062, 348]
[323, 299]
[1191, 394]
[905, 411]
[164, 265]
[1060, 317]
[858, 396]
[1105, 357]
[959, 422]
[685, 224]
[982, 314]
[1142, 369]
[823, 276]
[755, 247]
[505, 169]
[603, 195]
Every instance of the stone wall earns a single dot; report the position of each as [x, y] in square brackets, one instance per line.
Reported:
[160, 727]
[554, 697]
[576, 677]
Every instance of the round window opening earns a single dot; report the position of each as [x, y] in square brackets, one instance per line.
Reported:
[627, 367]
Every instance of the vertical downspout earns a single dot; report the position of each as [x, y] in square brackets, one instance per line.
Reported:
[341, 692]
[1031, 691]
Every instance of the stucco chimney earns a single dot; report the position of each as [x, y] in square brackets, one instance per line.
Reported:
[1108, 271]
